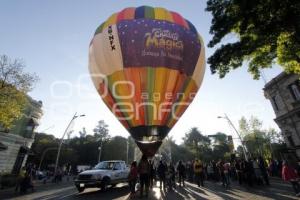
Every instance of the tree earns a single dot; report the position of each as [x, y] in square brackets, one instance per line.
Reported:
[131, 148]
[221, 146]
[44, 144]
[14, 84]
[194, 138]
[115, 149]
[265, 31]
[101, 131]
[258, 141]
[197, 143]
[178, 152]
[220, 138]
[82, 133]
[275, 136]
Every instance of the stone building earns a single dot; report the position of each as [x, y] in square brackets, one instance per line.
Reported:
[17, 142]
[284, 93]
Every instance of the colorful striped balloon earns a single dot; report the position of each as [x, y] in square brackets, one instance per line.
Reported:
[147, 64]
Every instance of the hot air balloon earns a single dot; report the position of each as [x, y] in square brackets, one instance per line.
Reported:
[147, 65]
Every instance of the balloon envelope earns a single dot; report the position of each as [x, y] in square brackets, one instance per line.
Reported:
[147, 65]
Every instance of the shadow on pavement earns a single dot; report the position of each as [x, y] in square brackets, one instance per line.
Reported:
[111, 193]
[212, 190]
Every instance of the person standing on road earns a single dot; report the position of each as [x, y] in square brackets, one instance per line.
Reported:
[144, 171]
[171, 177]
[210, 171]
[239, 171]
[263, 169]
[226, 172]
[221, 172]
[257, 172]
[161, 171]
[289, 174]
[249, 172]
[133, 175]
[198, 170]
[181, 173]
[190, 171]
[152, 174]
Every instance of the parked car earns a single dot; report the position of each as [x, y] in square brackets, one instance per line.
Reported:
[40, 175]
[102, 175]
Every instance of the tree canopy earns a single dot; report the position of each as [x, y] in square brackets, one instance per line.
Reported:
[14, 84]
[258, 141]
[267, 31]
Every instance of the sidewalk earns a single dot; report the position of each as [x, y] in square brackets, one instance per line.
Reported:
[39, 185]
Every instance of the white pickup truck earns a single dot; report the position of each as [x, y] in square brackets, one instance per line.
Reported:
[103, 174]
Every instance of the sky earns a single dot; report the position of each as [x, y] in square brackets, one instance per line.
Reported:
[52, 38]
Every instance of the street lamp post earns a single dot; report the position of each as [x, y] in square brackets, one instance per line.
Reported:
[100, 151]
[61, 140]
[231, 124]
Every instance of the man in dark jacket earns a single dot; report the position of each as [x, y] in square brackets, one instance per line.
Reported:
[144, 171]
[181, 172]
[161, 171]
[263, 169]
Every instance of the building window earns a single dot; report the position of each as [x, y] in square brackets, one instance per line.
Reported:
[275, 103]
[295, 90]
[291, 141]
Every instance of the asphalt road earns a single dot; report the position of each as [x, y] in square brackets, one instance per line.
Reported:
[277, 190]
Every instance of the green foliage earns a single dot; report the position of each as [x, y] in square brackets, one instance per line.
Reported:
[14, 84]
[266, 31]
[200, 146]
[82, 150]
[259, 142]
[101, 131]
[12, 103]
[288, 52]
[115, 149]
[42, 143]
[195, 139]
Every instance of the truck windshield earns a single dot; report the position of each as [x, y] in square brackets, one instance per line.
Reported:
[105, 165]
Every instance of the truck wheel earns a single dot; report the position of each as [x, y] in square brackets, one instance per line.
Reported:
[104, 184]
[80, 189]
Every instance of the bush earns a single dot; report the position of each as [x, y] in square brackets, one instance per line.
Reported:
[7, 180]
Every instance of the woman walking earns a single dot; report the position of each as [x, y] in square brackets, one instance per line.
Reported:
[133, 175]
[289, 174]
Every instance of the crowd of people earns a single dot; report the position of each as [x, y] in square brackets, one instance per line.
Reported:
[251, 172]
[29, 173]
[145, 173]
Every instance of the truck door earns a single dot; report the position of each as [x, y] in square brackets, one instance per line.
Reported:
[124, 171]
[117, 172]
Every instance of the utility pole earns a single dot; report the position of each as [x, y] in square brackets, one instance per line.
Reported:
[100, 150]
[62, 139]
[231, 124]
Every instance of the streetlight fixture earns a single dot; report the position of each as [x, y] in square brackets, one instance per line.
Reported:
[239, 135]
[62, 138]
